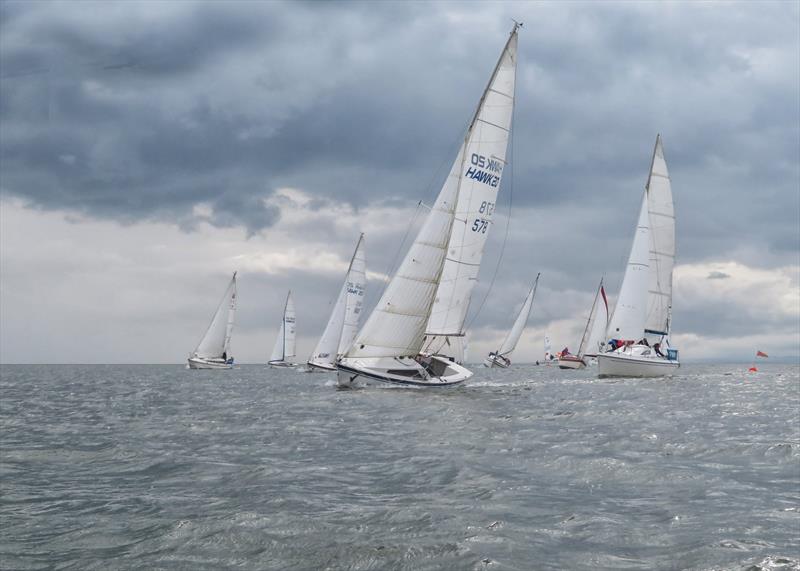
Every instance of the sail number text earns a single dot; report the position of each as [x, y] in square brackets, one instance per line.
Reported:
[482, 224]
[476, 170]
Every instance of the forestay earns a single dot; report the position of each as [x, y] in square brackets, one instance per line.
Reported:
[630, 312]
[594, 334]
[477, 171]
[216, 342]
[662, 244]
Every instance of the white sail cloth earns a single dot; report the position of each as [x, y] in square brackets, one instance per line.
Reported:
[454, 232]
[627, 322]
[594, 336]
[662, 244]
[511, 340]
[285, 342]
[342, 325]
[217, 340]
[477, 171]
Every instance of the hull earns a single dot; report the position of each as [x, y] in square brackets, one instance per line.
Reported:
[495, 361]
[200, 363]
[318, 368]
[428, 371]
[634, 364]
[282, 365]
[571, 362]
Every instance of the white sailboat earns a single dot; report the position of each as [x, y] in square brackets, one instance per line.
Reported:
[548, 351]
[431, 289]
[502, 357]
[644, 305]
[284, 344]
[214, 350]
[594, 334]
[343, 323]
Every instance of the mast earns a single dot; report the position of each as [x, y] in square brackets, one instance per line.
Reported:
[482, 163]
[590, 321]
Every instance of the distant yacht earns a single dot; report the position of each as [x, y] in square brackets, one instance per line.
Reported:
[214, 350]
[502, 357]
[594, 334]
[343, 323]
[285, 342]
[415, 334]
[639, 330]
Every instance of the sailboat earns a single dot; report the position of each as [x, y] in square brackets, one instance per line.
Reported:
[502, 357]
[594, 334]
[284, 344]
[343, 323]
[548, 351]
[644, 307]
[411, 335]
[214, 350]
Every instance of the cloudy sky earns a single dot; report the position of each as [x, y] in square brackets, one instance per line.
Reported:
[150, 149]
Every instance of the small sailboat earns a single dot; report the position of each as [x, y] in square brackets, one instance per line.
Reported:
[415, 334]
[343, 323]
[640, 325]
[549, 358]
[502, 357]
[594, 334]
[214, 350]
[284, 344]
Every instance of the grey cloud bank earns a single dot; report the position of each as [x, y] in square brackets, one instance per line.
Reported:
[197, 113]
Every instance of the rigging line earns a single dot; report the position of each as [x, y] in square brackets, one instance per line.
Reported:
[508, 225]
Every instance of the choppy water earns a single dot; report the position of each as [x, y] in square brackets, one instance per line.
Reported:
[159, 467]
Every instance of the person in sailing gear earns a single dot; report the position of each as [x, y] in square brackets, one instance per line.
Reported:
[657, 349]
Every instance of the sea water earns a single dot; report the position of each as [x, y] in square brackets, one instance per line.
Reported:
[160, 467]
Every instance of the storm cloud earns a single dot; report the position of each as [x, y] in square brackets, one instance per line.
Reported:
[198, 116]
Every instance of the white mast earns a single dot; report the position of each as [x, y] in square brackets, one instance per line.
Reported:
[630, 313]
[284, 344]
[484, 158]
[662, 245]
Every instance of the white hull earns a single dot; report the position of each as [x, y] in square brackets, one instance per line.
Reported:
[625, 363]
[494, 361]
[571, 363]
[200, 363]
[317, 368]
[281, 365]
[428, 372]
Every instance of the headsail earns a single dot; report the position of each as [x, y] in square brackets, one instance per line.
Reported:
[477, 171]
[343, 322]
[630, 313]
[662, 244]
[217, 338]
[511, 340]
[399, 321]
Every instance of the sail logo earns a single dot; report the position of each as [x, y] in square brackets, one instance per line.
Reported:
[487, 176]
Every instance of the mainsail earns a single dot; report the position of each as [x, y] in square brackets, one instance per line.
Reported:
[343, 323]
[477, 173]
[284, 344]
[454, 232]
[662, 245]
[627, 322]
[594, 334]
[217, 340]
[511, 340]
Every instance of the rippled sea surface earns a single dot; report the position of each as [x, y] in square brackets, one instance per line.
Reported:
[160, 467]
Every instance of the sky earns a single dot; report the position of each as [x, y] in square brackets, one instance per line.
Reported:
[149, 149]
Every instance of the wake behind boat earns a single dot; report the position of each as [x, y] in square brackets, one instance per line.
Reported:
[644, 306]
[409, 336]
[214, 350]
[502, 357]
[285, 342]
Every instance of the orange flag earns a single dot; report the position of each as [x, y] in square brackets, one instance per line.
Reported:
[761, 354]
